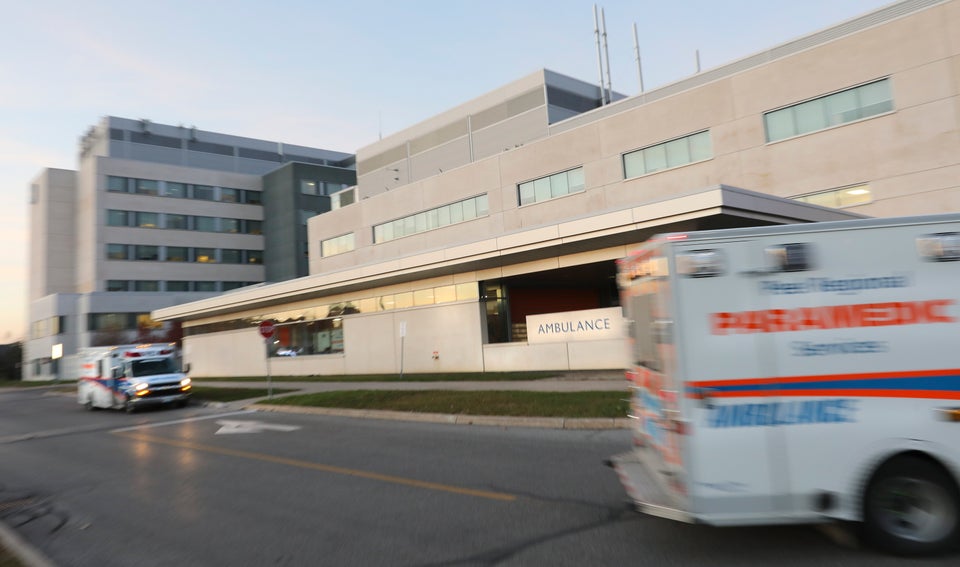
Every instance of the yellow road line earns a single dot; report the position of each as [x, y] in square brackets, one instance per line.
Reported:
[320, 467]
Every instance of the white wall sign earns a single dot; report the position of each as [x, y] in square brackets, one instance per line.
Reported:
[588, 325]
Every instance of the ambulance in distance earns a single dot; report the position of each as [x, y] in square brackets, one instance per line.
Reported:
[799, 374]
[129, 377]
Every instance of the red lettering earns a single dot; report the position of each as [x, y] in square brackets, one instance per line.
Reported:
[833, 317]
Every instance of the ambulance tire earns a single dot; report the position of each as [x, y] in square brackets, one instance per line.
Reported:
[128, 407]
[88, 404]
[912, 508]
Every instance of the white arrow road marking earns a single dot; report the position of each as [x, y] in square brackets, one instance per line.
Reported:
[230, 426]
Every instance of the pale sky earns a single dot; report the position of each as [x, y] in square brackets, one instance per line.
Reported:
[320, 73]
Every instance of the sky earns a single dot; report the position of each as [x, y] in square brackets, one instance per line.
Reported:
[332, 75]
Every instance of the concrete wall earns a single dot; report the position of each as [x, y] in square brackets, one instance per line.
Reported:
[574, 355]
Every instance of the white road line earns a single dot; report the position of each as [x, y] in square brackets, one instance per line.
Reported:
[177, 421]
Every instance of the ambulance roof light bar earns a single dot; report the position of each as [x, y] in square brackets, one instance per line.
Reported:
[939, 247]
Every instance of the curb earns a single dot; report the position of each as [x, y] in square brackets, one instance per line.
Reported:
[23, 551]
[493, 420]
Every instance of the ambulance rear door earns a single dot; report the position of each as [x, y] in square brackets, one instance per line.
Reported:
[733, 457]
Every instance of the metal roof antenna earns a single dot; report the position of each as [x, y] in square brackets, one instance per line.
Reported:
[636, 55]
[606, 56]
[596, 33]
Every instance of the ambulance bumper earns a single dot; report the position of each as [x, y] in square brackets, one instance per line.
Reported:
[643, 488]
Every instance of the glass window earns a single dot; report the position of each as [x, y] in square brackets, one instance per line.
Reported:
[368, 305]
[546, 188]
[456, 212]
[173, 189]
[252, 197]
[229, 195]
[483, 209]
[147, 187]
[337, 245]
[230, 225]
[118, 285]
[254, 256]
[541, 189]
[839, 198]
[148, 220]
[116, 218]
[830, 110]
[205, 255]
[669, 154]
[205, 286]
[176, 253]
[117, 252]
[308, 187]
[423, 297]
[146, 285]
[468, 291]
[230, 256]
[205, 224]
[445, 294]
[203, 192]
[559, 185]
[252, 227]
[526, 193]
[147, 253]
[116, 184]
[469, 209]
[431, 219]
[177, 222]
[575, 180]
[403, 300]
[227, 286]
[178, 286]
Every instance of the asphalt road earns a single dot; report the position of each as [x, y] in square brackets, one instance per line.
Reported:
[206, 486]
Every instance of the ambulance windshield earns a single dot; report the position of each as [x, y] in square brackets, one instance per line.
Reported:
[152, 367]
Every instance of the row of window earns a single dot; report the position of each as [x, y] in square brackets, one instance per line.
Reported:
[173, 285]
[47, 327]
[177, 190]
[152, 253]
[834, 109]
[404, 300]
[121, 321]
[454, 213]
[173, 221]
[551, 186]
[337, 245]
[311, 187]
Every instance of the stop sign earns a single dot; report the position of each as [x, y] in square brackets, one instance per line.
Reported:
[267, 328]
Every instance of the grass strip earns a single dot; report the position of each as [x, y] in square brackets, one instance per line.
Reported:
[500, 403]
[438, 377]
[215, 394]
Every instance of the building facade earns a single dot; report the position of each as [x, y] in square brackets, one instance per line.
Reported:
[157, 215]
[473, 225]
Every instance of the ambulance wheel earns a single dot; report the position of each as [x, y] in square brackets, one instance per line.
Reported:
[912, 507]
[128, 407]
[88, 405]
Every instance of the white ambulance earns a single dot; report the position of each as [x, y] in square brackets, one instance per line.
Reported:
[799, 373]
[131, 376]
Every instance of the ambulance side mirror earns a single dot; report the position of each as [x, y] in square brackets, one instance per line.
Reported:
[117, 372]
[186, 368]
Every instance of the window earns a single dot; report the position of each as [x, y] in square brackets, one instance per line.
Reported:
[229, 256]
[176, 222]
[254, 256]
[252, 197]
[308, 187]
[205, 286]
[117, 184]
[252, 227]
[203, 192]
[230, 225]
[117, 252]
[146, 285]
[205, 255]
[551, 187]
[667, 155]
[147, 187]
[116, 218]
[337, 245]
[227, 286]
[147, 253]
[147, 220]
[831, 110]
[176, 254]
[839, 198]
[171, 189]
[205, 224]
[178, 286]
[461, 211]
[118, 285]
[229, 195]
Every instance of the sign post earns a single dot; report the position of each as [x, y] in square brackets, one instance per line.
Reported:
[267, 330]
[403, 335]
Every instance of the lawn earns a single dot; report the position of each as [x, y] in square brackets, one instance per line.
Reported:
[502, 403]
[438, 377]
